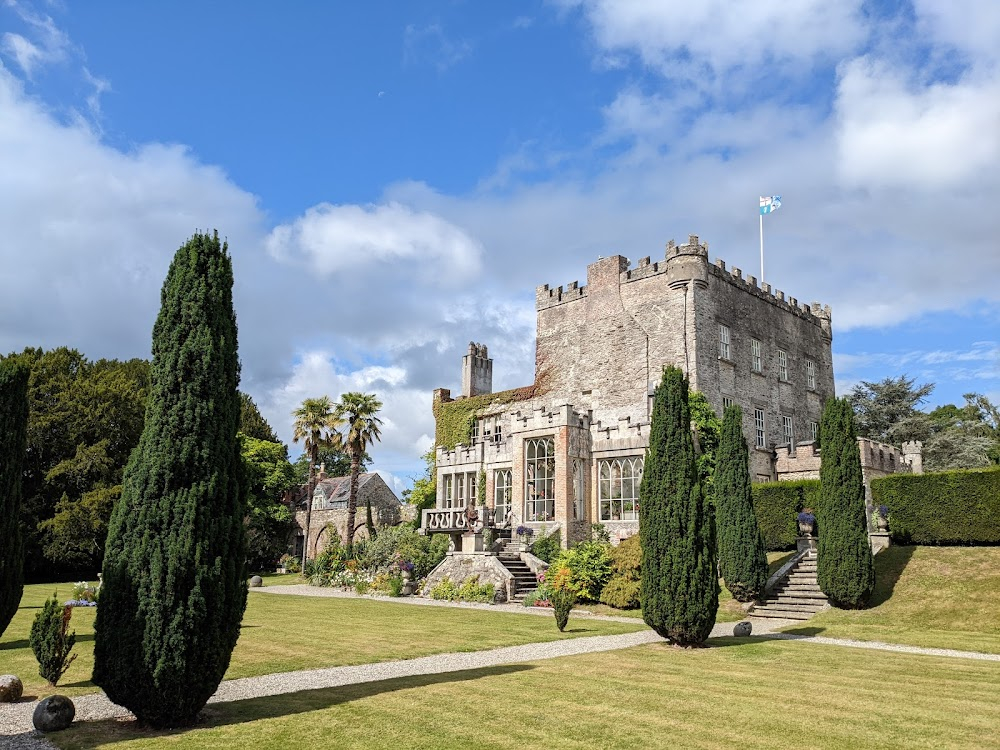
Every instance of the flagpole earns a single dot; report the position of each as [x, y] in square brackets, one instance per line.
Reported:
[762, 249]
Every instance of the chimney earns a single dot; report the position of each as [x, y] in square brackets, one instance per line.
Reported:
[477, 371]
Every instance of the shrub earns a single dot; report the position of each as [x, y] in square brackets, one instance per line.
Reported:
[84, 595]
[395, 585]
[947, 507]
[589, 566]
[50, 642]
[290, 563]
[445, 590]
[175, 561]
[599, 533]
[547, 546]
[561, 596]
[402, 542]
[776, 504]
[621, 593]
[680, 585]
[742, 560]
[13, 444]
[471, 590]
[844, 567]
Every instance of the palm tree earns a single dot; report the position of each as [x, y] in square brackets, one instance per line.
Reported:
[357, 412]
[316, 422]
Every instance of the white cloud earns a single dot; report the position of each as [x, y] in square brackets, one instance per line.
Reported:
[692, 39]
[50, 44]
[429, 45]
[893, 132]
[332, 239]
[26, 54]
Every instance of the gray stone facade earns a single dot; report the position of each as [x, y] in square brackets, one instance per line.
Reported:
[600, 351]
[329, 510]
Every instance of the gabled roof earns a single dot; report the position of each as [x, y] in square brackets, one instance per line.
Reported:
[338, 489]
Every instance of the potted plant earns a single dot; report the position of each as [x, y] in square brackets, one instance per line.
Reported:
[524, 533]
[807, 522]
[880, 518]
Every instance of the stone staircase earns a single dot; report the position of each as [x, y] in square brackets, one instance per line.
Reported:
[524, 580]
[797, 596]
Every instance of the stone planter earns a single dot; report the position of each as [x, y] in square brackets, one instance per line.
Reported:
[882, 523]
[807, 529]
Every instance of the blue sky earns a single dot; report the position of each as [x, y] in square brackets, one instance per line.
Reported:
[395, 179]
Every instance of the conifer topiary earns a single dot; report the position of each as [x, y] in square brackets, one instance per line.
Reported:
[13, 444]
[845, 568]
[742, 558]
[680, 587]
[174, 586]
[51, 641]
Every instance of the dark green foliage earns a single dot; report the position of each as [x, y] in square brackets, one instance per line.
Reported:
[622, 591]
[174, 571]
[50, 640]
[252, 422]
[709, 429]
[562, 601]
[949, 507]
[680, 587]
[775, 504]
[13, 442]
[85, 418]
[845, 568]
[547, 546]
[742, 560]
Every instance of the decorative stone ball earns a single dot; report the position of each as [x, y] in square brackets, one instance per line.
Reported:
[256, 582]
[53, 714]
[11, 688]
[742, 629]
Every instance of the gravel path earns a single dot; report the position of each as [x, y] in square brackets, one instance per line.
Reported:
[880, 646]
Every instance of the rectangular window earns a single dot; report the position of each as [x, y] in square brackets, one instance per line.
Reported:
[502, 486]
[758, 423]
[727, 402]
[449, 491]
[786, 431]
[782, 365]
[579, 504]
[618, 488]
[814, 431]
[459, 491]
[756, 359]
[473, 482]
[539, 479]
[724, 341]
[810, 374]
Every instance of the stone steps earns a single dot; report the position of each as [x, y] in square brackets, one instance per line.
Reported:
[525, 581]
[797, 597]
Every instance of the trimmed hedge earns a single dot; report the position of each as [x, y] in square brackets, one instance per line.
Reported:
[777, 503]
[946, 507]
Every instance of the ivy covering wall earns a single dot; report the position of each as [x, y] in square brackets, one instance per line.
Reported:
[455, 419]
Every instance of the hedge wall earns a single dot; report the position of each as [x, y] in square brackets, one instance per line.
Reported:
[947, 507]
[777, 503]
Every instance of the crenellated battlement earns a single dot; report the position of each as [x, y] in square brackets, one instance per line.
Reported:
[689, 263]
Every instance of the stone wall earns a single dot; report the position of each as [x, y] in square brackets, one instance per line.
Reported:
[459, 568]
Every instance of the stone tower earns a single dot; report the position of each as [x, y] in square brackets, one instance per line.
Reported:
[477, 371]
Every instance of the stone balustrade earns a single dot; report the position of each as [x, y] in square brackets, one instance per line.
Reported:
[438, 520]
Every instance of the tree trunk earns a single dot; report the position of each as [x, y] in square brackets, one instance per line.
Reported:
[314, 455]
[352, 500]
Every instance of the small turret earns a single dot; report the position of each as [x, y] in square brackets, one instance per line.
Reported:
[687, 263]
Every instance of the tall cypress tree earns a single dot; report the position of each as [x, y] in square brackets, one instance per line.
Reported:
[845, 568]
[13, 444]
[742, 558]
[174, 580]
[680, 588]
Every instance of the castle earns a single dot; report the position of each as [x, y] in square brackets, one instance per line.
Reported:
[568, 450]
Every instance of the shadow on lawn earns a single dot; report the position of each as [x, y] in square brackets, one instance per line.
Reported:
[93, 734]
[23, 643]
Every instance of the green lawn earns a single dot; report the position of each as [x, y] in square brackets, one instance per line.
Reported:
[283, 633]
[737, 693]
[940, 597]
